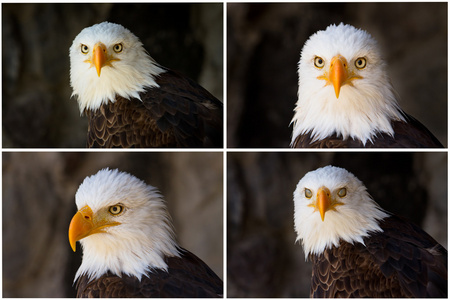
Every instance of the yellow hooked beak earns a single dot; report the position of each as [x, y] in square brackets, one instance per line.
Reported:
[339, 74]
[100, 57]
[85, 223]
[324, 202]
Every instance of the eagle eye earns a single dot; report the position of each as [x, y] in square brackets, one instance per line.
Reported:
[115, 209]
[360, 63]
[84, 49]
[342, 192]
[308, 193]
[118, 48]
[319, 62]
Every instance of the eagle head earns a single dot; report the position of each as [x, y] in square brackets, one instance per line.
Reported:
[331, 204]
[107, 60]
[343, 87]
[123, 226]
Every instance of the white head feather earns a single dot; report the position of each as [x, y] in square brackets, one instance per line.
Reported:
[132, 72]
[144, 237]
[351, 222]
[362, 109]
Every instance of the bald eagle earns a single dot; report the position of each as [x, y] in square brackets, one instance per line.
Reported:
[129, 247]
[131, 101]
[346, 99]
[357, 248]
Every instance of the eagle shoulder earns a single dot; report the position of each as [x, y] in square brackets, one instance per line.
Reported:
[408, 134]
[401, 261]
[407, 252]
[178, 113]
[349, 271]
[187, 276]
[195, 115]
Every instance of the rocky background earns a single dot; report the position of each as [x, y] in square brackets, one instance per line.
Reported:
[38, 110]
[263, 48]
[38, 192]
[263, 259]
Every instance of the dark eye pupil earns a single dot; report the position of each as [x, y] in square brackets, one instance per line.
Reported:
[115, 209]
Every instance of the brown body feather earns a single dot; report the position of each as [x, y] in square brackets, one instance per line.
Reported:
[401, 261]
[178, 113]
[187, 276]
[409, 134]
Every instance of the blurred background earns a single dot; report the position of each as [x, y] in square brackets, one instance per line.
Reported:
[263, 259]
[39, 201]
[264, 41]
[38, 110]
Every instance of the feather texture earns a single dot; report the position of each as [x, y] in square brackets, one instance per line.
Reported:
[408, 134]
[131, 101]
[129, 246]
[362, 110]
[179, 113]
[186, 276]
[357, 249]
[400, 261]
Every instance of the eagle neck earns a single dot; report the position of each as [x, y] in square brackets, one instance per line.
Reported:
[358, 114]
[134, 250]
[346, 225]
[93, 91]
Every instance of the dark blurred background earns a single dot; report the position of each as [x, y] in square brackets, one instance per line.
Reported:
[263, 259]
[39, 201]
[38, 111]
[264, 41]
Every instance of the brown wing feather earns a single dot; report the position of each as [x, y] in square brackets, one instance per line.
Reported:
[179, 113]
[409, 134]
[187, 276]
[349, 271]
[402, 261]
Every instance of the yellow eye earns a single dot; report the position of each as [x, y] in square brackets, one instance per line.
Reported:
[116, 209]
[308, 193]
[118, 48]
[84, 49]
[319, 62]
[360, 63]
[342, 192]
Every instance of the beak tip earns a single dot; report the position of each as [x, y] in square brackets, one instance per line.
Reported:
[99, 57]
[73, 245]
[337, 90]
[323, 202]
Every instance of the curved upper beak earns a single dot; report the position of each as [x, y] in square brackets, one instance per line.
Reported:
[99, 57]
[323, 201]
[85, 223]
[338, 73]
